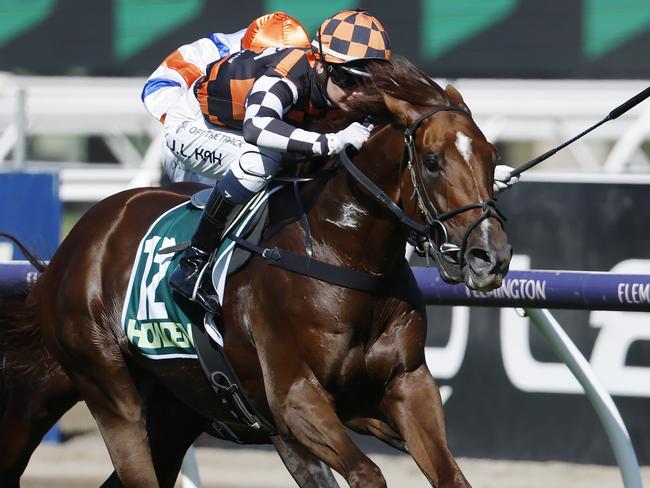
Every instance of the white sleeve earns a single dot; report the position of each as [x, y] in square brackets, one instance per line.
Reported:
[231, 41]
[181, 68]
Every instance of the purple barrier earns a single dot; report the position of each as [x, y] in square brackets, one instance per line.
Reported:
[545, 289]
[16, 277]
[531, 289]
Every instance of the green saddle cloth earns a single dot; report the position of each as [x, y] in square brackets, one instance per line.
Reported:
[153, 322]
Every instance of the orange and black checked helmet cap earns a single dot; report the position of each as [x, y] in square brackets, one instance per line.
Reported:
[351, 35]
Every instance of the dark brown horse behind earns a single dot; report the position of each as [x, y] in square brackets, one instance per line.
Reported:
[315, 357]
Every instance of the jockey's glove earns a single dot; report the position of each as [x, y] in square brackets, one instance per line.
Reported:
[503, 178]
[355, 134]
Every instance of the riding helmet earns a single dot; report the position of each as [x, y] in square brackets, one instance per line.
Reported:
[275, 30]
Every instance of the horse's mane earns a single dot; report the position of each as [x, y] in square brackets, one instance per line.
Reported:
[401, 79]
[398, 78]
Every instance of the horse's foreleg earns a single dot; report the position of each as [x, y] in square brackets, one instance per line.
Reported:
[307, 413]
[412, 403]
[308, 471]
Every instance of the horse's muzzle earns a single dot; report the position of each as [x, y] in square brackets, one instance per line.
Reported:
[482, 268]
[485, 268]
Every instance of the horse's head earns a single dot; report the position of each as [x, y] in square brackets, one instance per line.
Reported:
[447, 181]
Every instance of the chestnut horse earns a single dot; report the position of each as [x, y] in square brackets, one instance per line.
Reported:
[315, 357]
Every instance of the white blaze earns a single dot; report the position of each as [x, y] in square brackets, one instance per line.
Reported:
[485, 231]
[464, 145]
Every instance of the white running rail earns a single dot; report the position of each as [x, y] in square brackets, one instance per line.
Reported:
[543, 113]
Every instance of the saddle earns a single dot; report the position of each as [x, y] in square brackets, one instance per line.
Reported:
[162, 325]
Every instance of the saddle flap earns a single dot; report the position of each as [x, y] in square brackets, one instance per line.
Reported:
[249, 225]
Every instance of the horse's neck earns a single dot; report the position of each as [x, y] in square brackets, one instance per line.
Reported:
[348, 224]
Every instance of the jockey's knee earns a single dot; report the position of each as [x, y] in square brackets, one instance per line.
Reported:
[251, 173]
[235, 189]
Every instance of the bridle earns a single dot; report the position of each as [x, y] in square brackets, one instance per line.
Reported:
[421, 233]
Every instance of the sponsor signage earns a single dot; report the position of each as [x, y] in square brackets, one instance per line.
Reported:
[463, 38]
[546, 289]
[31, 211]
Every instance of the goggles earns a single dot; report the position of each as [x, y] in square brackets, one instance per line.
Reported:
[346, 77]
[343, 79]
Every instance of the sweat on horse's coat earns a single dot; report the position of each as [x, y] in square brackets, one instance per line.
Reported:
[349, 216]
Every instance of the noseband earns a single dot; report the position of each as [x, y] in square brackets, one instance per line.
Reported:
[421, 233]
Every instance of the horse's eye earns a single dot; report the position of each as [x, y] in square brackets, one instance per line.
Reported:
[432, 162]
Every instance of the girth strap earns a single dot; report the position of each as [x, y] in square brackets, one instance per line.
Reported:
[345, 277]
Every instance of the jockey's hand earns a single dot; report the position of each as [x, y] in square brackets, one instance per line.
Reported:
[355, 134]
[503, 178]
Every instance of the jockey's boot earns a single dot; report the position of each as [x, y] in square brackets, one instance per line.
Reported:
[187, 277]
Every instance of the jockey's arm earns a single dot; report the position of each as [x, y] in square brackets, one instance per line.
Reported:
[269, 99]
[183, 67]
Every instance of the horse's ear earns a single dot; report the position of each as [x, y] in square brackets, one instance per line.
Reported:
[455, 97]
[403, 111]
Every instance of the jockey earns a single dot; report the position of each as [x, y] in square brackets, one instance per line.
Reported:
[239, 120]
[184, 66]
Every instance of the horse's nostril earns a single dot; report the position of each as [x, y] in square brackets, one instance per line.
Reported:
[480, 260]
